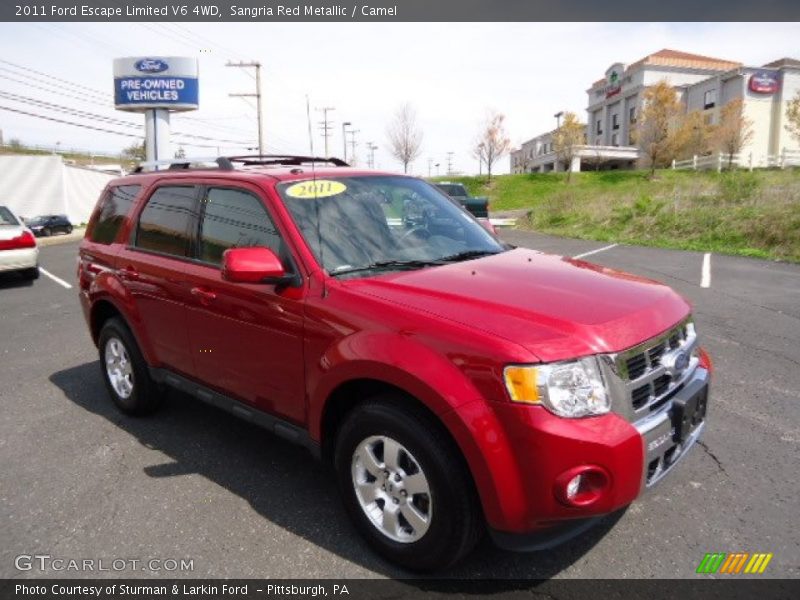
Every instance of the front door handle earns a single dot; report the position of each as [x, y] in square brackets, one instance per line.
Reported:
[203, 295]
[130, 272]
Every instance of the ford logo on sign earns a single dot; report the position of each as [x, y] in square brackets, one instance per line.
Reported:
[151, 65]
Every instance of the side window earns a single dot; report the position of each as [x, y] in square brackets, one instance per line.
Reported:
[114, 208]
[167, 221]
[234, 219]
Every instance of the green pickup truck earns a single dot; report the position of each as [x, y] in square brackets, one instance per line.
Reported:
[478, 206]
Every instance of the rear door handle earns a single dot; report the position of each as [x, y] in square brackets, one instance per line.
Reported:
[204, 295]
[130, 272]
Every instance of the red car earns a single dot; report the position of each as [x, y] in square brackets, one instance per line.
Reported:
[455, 384]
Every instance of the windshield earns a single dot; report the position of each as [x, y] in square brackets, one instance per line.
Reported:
[6, 218]
[370, 223]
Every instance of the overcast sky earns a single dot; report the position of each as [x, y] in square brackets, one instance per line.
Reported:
[451, 73]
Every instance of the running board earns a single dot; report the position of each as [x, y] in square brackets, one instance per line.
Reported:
[273, 424]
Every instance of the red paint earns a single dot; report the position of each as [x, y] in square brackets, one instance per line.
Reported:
[442, 334]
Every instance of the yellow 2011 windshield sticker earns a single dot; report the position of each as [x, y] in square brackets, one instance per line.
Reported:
[321, 188]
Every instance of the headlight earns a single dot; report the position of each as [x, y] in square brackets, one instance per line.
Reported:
[568, 389]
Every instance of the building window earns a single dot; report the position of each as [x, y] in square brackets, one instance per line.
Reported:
[632, 114]
[710, 99]
[599, 127]
[615, 139]
[615, 121]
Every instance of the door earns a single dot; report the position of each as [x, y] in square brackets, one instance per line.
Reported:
[247, 339]
[153, 268]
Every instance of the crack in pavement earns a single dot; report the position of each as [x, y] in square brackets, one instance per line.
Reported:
[713, 456]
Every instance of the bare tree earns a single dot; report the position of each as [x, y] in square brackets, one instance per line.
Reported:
[492, 142]
[734, 130]
[656, 124]
[793, 117]
[569, 136]
[405, 138]
[134, 152]
[691, 136]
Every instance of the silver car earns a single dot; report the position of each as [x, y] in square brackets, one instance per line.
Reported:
[18, 249]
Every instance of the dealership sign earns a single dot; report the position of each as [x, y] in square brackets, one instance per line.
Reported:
[764, 82]
[614, 80]
[142, 83]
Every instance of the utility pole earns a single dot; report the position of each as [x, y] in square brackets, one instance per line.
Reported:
[371, 147]
[430, 164]
[450, 163]
[257, 66]
[326, 126]
[344, 139]
[437, 169]
[352, 133]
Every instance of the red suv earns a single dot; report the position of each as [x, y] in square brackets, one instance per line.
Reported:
[456, 384]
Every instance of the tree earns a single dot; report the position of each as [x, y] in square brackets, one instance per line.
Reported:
[734, 130]
[492, 142]
[566, 140]
[405, 138]
[793, 117]
[692, 136]
[656, 124]
[135, 152]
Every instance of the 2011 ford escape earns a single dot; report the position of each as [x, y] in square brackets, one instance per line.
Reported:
[456, 385]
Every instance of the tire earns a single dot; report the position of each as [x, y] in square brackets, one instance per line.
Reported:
[46, 232]
[69, 229]
[445, 522]
[30, 274]
[125, 370]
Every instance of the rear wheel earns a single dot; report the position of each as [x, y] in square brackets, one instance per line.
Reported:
[125, 372]
[405, 487]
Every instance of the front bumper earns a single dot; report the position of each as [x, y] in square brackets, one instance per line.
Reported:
[527, 510]
[18, 259]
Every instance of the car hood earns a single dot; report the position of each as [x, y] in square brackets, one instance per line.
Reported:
[556, 307]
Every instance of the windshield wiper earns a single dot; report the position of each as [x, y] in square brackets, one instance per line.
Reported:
[467, 254]
[388, 264]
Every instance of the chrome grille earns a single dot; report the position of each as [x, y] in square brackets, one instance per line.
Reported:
[646, 376]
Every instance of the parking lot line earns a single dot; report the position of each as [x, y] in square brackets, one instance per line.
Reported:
[609, 247]
[705, 280]
[58, 280]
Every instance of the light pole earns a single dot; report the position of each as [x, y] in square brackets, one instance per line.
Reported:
[344, 138]
[558, 116]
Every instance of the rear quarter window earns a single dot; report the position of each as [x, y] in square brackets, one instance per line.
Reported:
[114, 208]
[168, 220]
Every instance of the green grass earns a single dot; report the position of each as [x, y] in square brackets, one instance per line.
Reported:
[751, 214]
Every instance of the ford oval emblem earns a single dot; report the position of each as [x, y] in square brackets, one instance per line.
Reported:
[151, 65]
[681, 361]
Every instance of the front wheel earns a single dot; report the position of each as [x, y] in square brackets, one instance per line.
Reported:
[69, 229]
[405, 486]
[125, 371]
[47, 232]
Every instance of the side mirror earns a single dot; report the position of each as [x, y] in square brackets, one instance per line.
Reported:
[253, 265]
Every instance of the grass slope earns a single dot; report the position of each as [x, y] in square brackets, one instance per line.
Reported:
[750, 214]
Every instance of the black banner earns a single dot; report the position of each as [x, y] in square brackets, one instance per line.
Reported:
[397, 10]
[730, 588]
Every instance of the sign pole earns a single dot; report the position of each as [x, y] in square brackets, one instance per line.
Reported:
[157, 134]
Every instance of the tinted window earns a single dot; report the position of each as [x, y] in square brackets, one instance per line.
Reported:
[234, 219]
[452, 190]
[167, 220]
[6, 218]
[114, 209]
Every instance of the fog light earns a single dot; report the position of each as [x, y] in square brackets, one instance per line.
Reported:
[573, 486]
[581, 486]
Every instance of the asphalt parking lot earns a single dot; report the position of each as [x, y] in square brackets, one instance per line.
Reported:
[80, 480]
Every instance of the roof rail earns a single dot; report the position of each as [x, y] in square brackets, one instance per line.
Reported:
[226, 163]
[221, 162]
[284, 159]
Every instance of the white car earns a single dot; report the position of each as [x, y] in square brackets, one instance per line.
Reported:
[18, 249]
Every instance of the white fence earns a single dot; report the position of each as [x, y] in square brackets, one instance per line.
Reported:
[750, 161]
